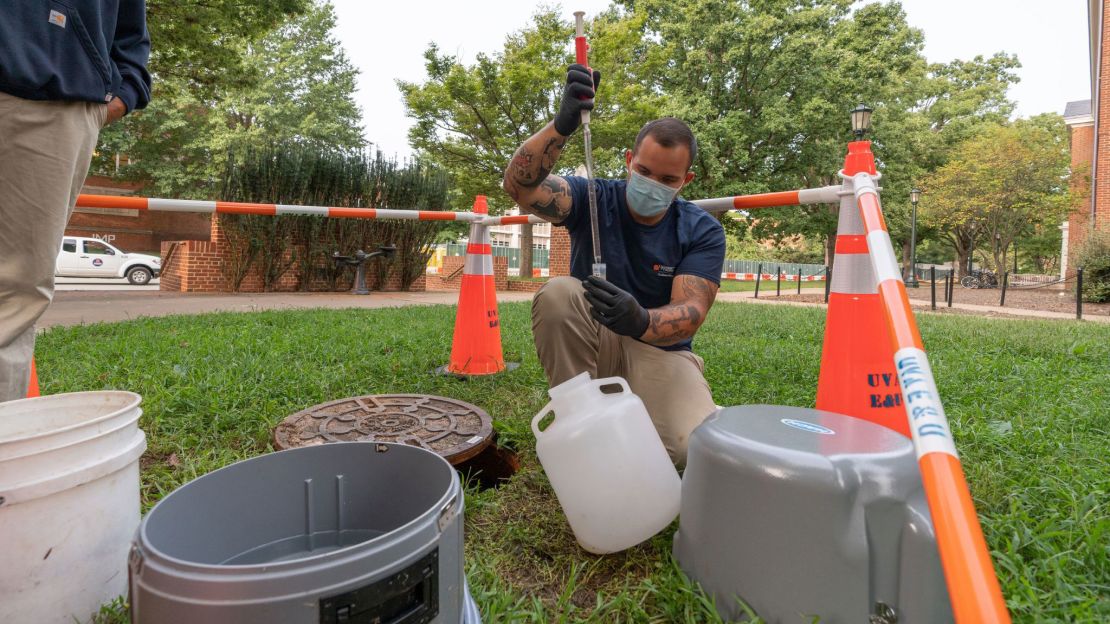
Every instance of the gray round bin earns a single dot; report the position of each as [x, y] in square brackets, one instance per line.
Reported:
[353, 532]
[804, 513]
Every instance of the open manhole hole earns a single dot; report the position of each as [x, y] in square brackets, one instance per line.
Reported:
[459, 432]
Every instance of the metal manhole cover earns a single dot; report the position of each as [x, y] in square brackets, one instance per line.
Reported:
[454, 429]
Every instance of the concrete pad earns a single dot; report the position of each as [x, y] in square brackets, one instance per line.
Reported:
[79, 307]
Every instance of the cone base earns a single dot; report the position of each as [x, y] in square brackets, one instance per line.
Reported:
[443, 370]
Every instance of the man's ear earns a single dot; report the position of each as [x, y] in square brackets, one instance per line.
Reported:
[628, 158]
[689, 178]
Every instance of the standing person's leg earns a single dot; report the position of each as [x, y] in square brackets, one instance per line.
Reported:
[568, 340]
[45, 150]
[673, 388]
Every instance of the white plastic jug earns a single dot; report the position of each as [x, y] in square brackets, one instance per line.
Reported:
[608, 467]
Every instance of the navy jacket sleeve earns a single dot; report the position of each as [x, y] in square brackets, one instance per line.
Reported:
[130, 51]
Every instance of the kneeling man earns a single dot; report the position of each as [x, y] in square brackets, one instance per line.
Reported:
[663, 259]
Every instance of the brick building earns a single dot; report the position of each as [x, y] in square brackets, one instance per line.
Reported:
[1090, 141]
[510, 235]
[133, 230]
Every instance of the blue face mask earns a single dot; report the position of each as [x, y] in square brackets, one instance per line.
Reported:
[648, 198]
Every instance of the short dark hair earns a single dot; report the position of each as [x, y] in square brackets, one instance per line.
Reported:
[669, 132]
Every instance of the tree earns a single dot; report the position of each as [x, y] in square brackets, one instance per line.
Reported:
[471, 118]
[1007, 181]
[767, 87]
[284, 79]
[954, 101]
[304, 89]
[198, 46]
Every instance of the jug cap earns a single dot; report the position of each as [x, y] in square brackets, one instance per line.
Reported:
[569, 385]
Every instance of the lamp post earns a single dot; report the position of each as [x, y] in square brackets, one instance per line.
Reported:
[861, 121]
[915, 195]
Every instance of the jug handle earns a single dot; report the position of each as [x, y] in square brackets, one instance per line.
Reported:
[608, 381]
[538, 417]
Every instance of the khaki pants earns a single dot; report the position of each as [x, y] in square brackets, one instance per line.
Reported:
[45, 150]
[671, 383]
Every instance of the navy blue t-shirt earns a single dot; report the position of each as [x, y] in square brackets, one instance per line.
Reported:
[643, 259]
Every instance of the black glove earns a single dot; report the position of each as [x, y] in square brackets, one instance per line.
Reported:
[615, 308]
[579, 85]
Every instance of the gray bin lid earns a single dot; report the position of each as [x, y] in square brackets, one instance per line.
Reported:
[798, 433]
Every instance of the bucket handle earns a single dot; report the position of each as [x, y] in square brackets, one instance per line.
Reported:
[538, 417]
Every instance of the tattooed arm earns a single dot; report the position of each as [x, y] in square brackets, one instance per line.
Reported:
[691, 298]
[528, 180]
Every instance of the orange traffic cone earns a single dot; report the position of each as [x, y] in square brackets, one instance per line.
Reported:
[476, 347]
[857, 361]
[33, 387]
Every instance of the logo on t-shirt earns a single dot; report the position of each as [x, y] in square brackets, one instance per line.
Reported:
[663, 271]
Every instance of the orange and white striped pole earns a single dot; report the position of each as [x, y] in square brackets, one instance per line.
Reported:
[512, 220]
[822, 195]
[224, 207]
[969, 574]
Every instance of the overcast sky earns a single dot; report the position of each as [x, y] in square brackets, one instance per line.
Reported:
[386, 41]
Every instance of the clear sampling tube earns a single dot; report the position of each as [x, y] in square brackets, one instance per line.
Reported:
[581, 57]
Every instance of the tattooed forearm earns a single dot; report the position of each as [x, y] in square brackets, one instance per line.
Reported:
[691, 298]
[551, 152]
[551, 198]
[528, 169]
[672, 324]
[528, 177]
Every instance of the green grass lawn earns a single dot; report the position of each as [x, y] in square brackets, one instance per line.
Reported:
[1028, 402]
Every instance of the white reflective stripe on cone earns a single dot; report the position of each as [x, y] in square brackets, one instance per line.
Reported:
[478, 264]
[852, 274]
[850, 223]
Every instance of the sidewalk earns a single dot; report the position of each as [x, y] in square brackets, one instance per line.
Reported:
[77, 307]
[987, 311]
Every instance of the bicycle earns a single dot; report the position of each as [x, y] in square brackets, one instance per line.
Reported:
[982, 278]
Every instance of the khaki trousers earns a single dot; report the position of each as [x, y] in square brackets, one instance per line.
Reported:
[671, 383]
[45, 150]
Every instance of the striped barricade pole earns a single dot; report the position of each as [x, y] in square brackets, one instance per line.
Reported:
[822, 195]
[154, 204]
[512, 220]
[969, 574]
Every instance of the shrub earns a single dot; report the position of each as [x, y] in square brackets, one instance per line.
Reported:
[1094, 257]
[306, 175]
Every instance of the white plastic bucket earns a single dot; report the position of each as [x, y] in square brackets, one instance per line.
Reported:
[69, 503]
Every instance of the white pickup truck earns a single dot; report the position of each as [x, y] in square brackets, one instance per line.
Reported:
[91, 257]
